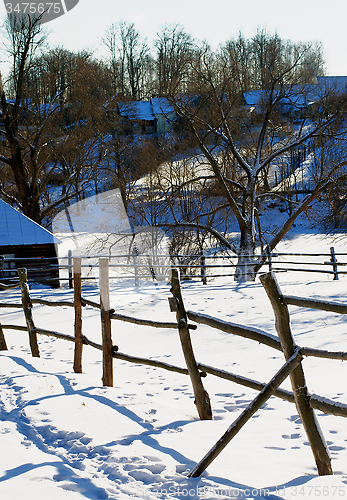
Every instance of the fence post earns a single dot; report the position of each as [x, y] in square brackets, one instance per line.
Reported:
[78, 315]
[203, 269]
[27, 308]
[3, 345]
[297, 377]
[69, 263]
[333, 259]
[269, 259]
[136, 269]
[202, 399]
[107, 347]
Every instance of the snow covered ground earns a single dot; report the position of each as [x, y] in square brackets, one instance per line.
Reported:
[64, 436]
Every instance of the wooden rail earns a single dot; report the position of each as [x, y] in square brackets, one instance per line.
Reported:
[201, 267]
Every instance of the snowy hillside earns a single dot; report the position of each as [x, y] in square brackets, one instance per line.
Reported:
[64, 436]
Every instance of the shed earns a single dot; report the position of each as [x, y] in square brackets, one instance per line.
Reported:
[140, 116]
[31, 245]
[164, 113]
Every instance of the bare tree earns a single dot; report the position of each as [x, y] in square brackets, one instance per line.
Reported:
[49, 152]
[25, 37]
[130, 60]
[241, 150]
[174, 51]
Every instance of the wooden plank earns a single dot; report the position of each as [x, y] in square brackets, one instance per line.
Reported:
[320, 353]
[50, 303]
[78, 315]
[147, 322]
[254, 406]
[297, 377]
[202, 399]
[107, 347]
[236, 329]
[322, 305]
[27, 308]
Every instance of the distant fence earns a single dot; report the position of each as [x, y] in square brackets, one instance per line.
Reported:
[201, 267]
[293, 354]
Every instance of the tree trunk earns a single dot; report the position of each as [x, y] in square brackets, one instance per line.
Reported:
[245, 267]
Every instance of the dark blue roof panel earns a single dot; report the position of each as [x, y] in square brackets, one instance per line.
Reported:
[17, 229]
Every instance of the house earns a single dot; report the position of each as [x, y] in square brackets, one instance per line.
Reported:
[32, 247]
[139, 117]
[156, 116]
[164, 114]
[294, 103]
[298, 101]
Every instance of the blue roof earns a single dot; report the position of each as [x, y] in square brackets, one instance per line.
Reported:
[17, 229]
[254, 97]
[137, 110]
[161, 105]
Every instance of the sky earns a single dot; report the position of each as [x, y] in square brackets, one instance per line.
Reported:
[299, 20]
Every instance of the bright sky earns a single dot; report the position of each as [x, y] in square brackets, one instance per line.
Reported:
[214, 21]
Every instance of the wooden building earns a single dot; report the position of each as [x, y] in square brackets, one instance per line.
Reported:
[24, 243]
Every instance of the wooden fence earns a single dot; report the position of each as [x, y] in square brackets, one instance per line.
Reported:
[202, 267]
[293, 354]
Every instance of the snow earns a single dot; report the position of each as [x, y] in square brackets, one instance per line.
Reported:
[64, 436]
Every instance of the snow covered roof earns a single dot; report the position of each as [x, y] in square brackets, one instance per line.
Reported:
[161, 105]
[336, 83]
[17, 229]
[137, 110]
[254, 97]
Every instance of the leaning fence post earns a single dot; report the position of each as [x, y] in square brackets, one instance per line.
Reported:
[27, 308]
[333, 259]
[78, 315]
[237, 425]
[297, 377]
[107, 348]
[202, 399]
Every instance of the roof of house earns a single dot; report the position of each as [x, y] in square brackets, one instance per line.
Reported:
[17, 229]
[146, 110]
[137, 110]
[335, 83]
[254, 97]
[162, 106]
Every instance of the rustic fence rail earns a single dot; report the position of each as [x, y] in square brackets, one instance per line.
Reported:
[293, 354]
[202, 267]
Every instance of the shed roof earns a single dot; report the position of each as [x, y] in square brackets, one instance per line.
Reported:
[17, 229]
[161, 105]
[137, 110]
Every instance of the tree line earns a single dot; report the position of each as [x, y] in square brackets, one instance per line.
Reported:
[63, 138]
